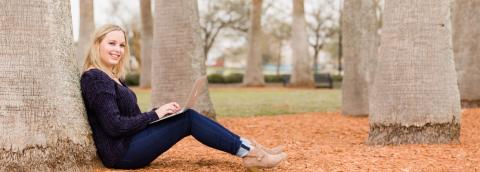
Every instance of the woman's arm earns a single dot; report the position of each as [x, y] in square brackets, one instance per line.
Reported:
[101, 100]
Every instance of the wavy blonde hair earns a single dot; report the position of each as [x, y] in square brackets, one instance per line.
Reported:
[92, 58]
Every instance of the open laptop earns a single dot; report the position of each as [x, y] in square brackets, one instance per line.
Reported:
[192, 98]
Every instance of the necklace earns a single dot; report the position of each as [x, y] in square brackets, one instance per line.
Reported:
[113, 76]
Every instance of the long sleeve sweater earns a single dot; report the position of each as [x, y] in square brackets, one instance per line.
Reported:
[113, 114]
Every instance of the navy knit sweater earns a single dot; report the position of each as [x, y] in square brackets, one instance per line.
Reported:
[113, 114]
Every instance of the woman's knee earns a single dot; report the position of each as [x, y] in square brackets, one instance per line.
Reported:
[191, 112]
[193, 115]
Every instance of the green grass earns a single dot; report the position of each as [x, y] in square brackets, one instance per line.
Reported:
[264, 101]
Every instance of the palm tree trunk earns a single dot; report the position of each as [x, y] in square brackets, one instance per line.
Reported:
[87, 27]
[147, 34]
[466, 21]
[178, 54]
[254, 72]
[42, 117]
[359, 22]
[302, 73]
[415, 95]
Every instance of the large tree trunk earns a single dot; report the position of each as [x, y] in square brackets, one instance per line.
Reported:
[87, 27]
[415, 95]
[466, 24]
[254, 72]
[302, 72]
[146, 44]
[178, 54]
[43, 122]
[359, 22]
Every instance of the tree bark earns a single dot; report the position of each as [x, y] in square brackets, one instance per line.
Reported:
[253, 70]
[302, 72]
[359, 24]
[415, 96]
[87, 27]
[43, 123]
[466, 21]
[146, 44]
[178, 55]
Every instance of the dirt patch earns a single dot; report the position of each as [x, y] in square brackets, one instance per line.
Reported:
[328, 142]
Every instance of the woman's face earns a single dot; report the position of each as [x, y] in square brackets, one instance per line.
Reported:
[112, 48]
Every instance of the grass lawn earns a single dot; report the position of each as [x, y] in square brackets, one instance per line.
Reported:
[235, 101]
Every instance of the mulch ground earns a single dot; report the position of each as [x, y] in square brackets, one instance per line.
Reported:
[327, 142]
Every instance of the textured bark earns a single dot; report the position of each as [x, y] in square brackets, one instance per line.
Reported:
[253, 71]
[178, 55]
[415, 96]
[87, 27]
[466, 34]
[147, 34]
[359, 22]
[302, 72]
[43, 124]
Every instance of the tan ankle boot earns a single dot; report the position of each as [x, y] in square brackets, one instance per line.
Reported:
[258, 158]
[275, 150]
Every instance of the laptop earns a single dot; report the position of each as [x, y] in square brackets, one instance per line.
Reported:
[198, 85]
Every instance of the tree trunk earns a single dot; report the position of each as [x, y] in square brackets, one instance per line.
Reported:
[415, 95]
[340, 46]
[43, 122]
[87, 27]
[302, 72]
[178, 55]
[146, 43]
[253, 71]
[466, 22]
[316, 51]
[359, 22]
[340, 51]
[279, 57]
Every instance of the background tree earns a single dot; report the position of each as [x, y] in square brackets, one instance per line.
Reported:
[221, 15]
[253, 71]
[178, 54]
[87, 27]
[302, 73]
[279, 30]
[359, 53]
[321, 27]
[415, 95]
[340, 43]
[466, 34]
[42, 117]
[135, 37]
[146, 43]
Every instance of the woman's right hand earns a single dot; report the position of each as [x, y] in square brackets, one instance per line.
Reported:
[168, 108]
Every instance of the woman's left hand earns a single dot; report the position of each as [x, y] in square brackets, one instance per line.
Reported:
[171, 107]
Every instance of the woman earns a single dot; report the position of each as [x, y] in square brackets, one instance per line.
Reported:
[122, 134]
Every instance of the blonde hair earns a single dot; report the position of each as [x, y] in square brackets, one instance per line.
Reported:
[92, 58]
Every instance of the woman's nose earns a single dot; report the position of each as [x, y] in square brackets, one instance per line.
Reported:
[118, 48]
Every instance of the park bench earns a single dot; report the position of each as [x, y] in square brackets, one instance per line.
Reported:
[322, 80]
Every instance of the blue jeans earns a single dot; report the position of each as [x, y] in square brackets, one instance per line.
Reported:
[157, 138]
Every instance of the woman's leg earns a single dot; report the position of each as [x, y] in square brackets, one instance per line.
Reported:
[148, 144]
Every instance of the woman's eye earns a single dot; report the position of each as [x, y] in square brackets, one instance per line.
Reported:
[111, 43]
[122, 45]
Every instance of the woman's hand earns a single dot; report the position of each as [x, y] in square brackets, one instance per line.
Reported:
[168, 108]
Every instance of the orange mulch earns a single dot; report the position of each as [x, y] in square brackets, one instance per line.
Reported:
[327, 142]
